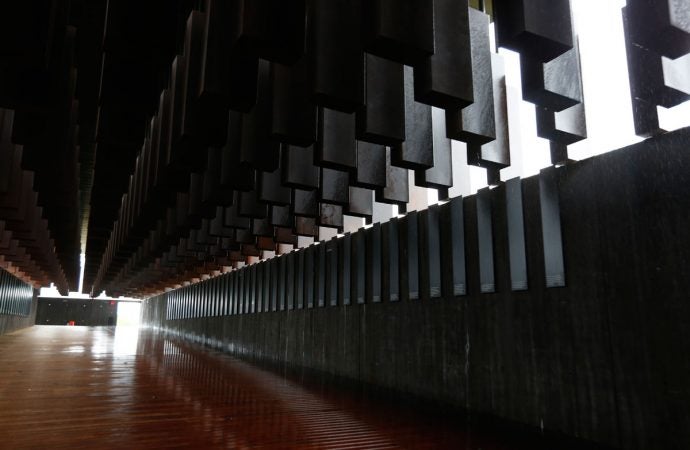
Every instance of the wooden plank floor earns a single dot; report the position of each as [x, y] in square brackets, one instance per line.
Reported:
[78, 387]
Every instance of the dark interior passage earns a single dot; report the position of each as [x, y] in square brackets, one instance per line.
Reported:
[345, 224]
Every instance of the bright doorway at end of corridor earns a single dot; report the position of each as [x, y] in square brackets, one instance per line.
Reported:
[128, 314]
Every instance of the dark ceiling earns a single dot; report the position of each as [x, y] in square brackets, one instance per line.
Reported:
[170, 139]
[79, 81]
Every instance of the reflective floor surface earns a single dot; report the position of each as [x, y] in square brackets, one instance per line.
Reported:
[79, 387]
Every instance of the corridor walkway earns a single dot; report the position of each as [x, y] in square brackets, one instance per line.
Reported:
[78, 387]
